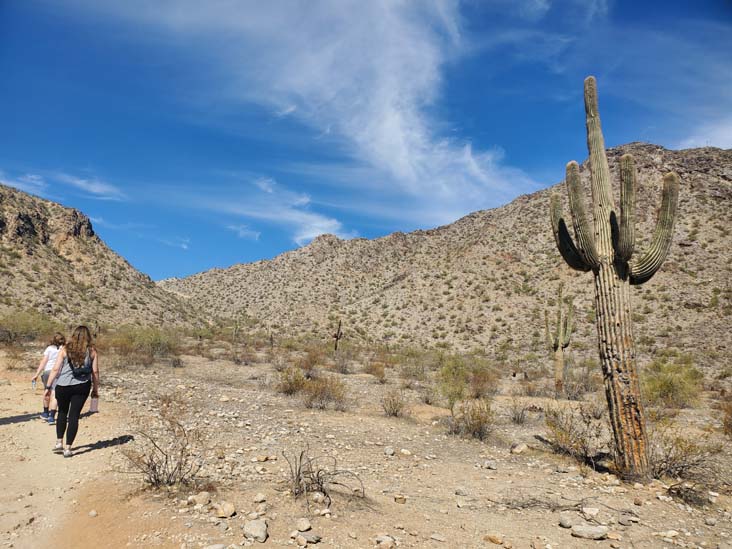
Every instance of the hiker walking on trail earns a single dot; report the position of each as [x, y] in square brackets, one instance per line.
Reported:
[76, 373]
[44, 370]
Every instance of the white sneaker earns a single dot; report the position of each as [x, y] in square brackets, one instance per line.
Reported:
[67, 452]
[58, 448]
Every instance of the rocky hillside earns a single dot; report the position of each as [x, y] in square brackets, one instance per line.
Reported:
[485, 280]
[52, 261]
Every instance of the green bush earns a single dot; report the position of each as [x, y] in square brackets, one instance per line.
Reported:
[29, 325]
[291, 381]
[326, 391]
[672, 382]
[472, 418]
[453, 380]
[141, 344]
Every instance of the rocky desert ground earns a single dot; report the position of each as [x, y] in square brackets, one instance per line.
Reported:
[405, 482]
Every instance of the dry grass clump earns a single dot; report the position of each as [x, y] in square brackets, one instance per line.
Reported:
[17, 326]
[291, 381]
[483, 380]
[672, 381]
[518, 410]
[377, 370]
[326, 391]
[577, 433]
[309, 363]
[320, 474]
[690, 457]
[727, 418]
[165, 451]
[472, 418]
[394, 403]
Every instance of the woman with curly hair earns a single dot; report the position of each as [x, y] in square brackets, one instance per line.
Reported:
[76, 373]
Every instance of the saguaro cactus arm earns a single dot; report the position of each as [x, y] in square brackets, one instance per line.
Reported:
[643, 269]
[624, 239]
[582, 230]
[563, 239]
[600, 172]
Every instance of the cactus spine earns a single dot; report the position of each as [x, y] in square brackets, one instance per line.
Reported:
[559, 338]
[607, 249]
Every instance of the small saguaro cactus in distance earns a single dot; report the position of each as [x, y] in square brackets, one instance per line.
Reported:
[337, 336]
[558, 339]
[606, 247]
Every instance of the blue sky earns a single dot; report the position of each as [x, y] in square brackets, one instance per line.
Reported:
[203, 134]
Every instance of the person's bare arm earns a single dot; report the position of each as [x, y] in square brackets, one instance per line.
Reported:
[41, 367]
[95, 375]
[56, 367]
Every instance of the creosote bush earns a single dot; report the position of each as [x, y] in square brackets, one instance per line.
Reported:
[673, 383]
[140, 345]
[291, 381]
[325, 391]
[483, 379]
[576, 433]
[472, 418]
[394, 403]
[453, 381]
[518, 410]
[675, 454]
[17, 326]
[376, 369]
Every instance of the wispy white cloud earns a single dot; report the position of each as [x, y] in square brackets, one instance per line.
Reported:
[93, 187]
[711, 134]
[29, 183]
[364, 74]
[245, 232]
[175, 242]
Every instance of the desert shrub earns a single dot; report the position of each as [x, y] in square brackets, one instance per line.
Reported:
[394, 403]
[326, 391]
[576, 433]
[17, 326]
[472, 418]
[673, 454]
[672, 382]
[342, 360]
[308, 475]
[15, 358]
[427, 395]
[518, 410]
[533, 388]
[483, 379]
[376, 369]
[412, 370]
[309, 363]
[141, 345]
[165, 451]
[582, 379]
[727, 418]
[453, 380]
[291, 381]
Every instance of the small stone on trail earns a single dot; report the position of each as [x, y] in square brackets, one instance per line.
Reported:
[710, 521]
[491, 465]
[202, 498]
[389, 451]
[93, 513]
[405, 452]
[438, 537]
[256, 530]
[399, 498]
[493, 538]
[259, 498]
[303, 525]
[519, 447]
[225, 510]
[566, 519]
[589, 531]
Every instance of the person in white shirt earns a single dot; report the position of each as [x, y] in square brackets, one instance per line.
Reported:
[44, 369]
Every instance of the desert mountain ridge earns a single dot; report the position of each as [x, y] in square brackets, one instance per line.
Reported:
[485, 280]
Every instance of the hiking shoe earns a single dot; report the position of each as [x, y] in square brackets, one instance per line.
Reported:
[44, 415]
[51, 420]
[58, 448]
[67, 452]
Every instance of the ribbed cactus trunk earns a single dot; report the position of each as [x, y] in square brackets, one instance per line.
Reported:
[558, 372]
[606, 249]
[559, 339]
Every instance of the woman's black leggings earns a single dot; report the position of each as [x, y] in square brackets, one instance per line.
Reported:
[71, 399]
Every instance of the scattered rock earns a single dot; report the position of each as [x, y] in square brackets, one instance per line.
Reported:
[399, 498]
[225, 510]
[93, 513]
[259, 498]
[202, 498]
[489, 464]
[438, 537]
[493, 538]
[566, 519]
[303, 525]
[519, 447]
[256, 530]
[590, 512]
[710, 521]
[589, 531]
[389, 451]
[216, 546]
[405, 452]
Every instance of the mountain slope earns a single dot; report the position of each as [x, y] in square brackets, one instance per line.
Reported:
[484, 280]
[52, 261]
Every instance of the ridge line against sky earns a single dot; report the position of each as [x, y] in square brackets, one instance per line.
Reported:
[205, 134]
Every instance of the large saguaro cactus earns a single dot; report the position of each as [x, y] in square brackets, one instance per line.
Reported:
[558, 339]
[607, 249]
